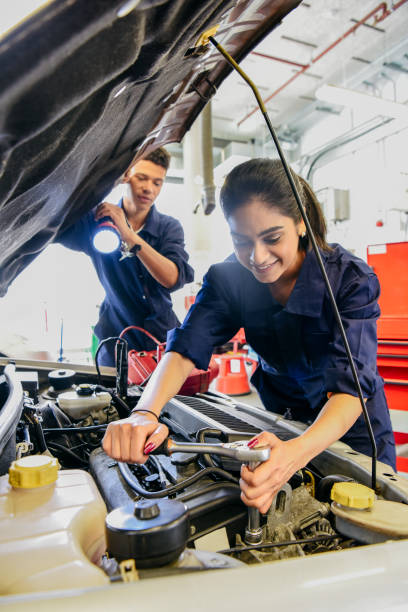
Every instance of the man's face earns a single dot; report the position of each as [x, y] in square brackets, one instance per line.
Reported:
[145, 180]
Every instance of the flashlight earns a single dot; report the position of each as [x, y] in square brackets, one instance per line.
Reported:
[106, 238]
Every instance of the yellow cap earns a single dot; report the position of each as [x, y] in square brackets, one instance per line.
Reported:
[33, 471]
[352, 495]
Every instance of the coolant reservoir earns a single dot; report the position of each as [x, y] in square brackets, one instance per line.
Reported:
[80, 403]
[51, 528]
[361, 516]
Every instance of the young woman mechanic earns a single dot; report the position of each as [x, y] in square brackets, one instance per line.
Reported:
[272, 287]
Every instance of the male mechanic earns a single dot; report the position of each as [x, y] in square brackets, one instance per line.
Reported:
[151, 263]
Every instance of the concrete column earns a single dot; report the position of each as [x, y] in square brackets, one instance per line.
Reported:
[197, 228]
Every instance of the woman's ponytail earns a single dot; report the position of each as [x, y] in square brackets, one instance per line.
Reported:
[314, 213]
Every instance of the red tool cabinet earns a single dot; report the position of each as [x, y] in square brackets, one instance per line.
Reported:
[390, 263]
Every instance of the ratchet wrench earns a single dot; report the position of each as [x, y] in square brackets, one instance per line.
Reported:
[238, 450]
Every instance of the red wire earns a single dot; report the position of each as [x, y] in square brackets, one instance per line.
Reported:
[141, 330]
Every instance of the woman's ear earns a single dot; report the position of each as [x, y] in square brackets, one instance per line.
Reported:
[302, 229]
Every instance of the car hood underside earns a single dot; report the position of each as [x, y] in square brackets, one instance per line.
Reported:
[86, 87]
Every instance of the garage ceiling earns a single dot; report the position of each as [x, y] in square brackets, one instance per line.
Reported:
[366, 57]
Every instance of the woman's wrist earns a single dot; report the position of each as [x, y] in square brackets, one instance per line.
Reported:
[302, 454]
[144, 412]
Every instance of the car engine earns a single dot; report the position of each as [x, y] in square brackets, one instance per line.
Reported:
[180, 511]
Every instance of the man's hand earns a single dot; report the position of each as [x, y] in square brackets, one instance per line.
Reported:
[116, 213]
[125, 440]
[258, 488]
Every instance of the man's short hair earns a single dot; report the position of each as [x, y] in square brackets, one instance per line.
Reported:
[160, 157]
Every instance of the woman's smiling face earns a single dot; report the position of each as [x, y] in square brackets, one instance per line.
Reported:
[266, 242]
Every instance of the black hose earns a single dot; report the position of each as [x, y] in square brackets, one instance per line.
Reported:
[67, 451]
[210, 489]
[121, 406]
[39, 433]
[136, 486]
[319, 259]
[100, 345]
[78, 430]
[200, 437]
[278, 544]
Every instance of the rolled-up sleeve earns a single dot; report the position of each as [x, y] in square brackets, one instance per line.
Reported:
[172, 247]
[359, 311]
[211, 321]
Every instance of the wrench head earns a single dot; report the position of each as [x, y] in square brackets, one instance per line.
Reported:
[245, 454]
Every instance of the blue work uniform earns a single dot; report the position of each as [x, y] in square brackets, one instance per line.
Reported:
[133, 296]
[301, 353]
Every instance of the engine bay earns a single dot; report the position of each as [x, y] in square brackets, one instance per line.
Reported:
[181, 511]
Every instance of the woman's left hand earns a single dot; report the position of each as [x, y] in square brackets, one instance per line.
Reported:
[258, 488]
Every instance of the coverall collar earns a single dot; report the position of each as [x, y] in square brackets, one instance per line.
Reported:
[151, 224]
[309, 290]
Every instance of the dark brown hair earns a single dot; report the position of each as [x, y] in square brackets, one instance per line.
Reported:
[160, 157]
[266, 180]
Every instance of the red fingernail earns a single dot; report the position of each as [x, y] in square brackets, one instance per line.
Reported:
[148, 448]
[253, 443]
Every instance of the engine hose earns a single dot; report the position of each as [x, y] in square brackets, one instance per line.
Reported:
[136, 486]
[278, 544]
[200, 437]
[78, 430]
[160, 471]
[68, 452]
[210, 489]
[39, 432]
[100, 345]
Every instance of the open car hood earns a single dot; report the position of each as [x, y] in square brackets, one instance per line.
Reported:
[87, 87]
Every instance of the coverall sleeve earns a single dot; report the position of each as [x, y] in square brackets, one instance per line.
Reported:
[172, 247]
[211, 321]
[359, 310]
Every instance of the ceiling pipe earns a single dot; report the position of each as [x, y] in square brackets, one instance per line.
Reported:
[207, 164]
[279, 59]
[385, 12]
[337, 145]
[398, 4]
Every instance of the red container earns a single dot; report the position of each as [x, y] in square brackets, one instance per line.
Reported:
[141, 365]
[233, 378]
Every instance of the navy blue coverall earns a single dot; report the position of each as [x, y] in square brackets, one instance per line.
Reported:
[133, 296]
[301, 354]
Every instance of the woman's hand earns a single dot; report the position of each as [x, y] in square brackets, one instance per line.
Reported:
[128, 440]
[258, 488]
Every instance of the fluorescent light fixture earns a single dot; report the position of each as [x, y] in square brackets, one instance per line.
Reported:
[361, 101]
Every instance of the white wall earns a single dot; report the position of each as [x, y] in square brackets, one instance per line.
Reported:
[377, 178]
[61, 285]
